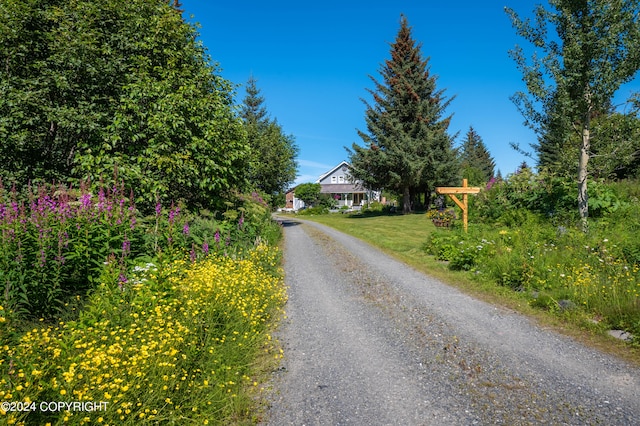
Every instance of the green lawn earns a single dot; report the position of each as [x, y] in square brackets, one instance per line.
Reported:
[404, 236]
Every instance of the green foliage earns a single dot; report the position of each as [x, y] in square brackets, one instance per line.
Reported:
[573, 75]
[55, 241]
[308, 192]
[461, 252]
[407, 149]
[179, 342]
[312, 211]
[375, 206]
[523, 195]
[119, 91]
[272, 166]
[475, 161]
[442, 245]
[558, 268]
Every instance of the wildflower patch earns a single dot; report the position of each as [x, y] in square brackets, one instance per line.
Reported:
[175, 343]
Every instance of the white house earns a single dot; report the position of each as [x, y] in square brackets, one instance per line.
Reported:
[340, 186]
[344, 189]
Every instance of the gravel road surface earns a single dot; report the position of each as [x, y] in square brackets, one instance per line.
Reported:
[370, 341]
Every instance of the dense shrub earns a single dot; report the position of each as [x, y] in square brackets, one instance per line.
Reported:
[314, 211]
[542, 194]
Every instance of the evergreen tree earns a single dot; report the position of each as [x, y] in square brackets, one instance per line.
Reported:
[253, 111]
[475, 161]
[557, 148]
[592, 53]
[407, 148]
[273, 166]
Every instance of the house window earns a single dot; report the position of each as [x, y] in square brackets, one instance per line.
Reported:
[341, 179]
[333, 179]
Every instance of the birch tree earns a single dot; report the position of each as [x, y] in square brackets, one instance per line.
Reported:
[576, 69]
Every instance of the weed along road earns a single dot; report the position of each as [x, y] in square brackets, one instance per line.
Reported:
[370, 341]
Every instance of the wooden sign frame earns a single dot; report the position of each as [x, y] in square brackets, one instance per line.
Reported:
[464, 204]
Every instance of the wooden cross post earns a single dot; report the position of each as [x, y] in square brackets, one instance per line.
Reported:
[464, 190]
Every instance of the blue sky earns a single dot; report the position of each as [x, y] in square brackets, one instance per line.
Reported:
[312, 61]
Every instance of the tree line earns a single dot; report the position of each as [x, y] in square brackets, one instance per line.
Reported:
[124, 91]
[408, 150]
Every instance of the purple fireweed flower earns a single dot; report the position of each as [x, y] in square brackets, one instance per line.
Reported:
[85, 199]
[158, 209]
[491, 182]
[63, 239]
[217, 236]
[43, 258]
[101, 199]
[192, 253]
[132, 216]
[185, 229]
[126, 247]
[122, 280]
[241, 222]
[205, 247]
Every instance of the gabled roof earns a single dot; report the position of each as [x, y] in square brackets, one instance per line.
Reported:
[343, 163]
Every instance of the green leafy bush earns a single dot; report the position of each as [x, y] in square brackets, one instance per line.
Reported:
[442, 245]
[314, 211]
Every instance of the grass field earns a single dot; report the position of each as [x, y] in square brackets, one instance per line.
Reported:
[404, 237]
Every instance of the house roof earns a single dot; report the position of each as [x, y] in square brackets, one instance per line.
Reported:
[340, 188]
[342, 164]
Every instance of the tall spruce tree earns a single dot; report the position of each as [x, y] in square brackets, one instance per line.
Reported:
[476, 163]
[253, 110]
[593, 52]
[407, 148]
[272, 167]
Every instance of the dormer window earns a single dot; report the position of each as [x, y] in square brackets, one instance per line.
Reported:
[340, 179]
[333, 179]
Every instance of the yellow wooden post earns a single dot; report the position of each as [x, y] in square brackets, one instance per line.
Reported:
[464, 205]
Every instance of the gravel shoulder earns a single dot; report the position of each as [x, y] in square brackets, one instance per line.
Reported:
[368, 340]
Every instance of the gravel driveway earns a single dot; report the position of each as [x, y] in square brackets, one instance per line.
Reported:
[370, 341]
